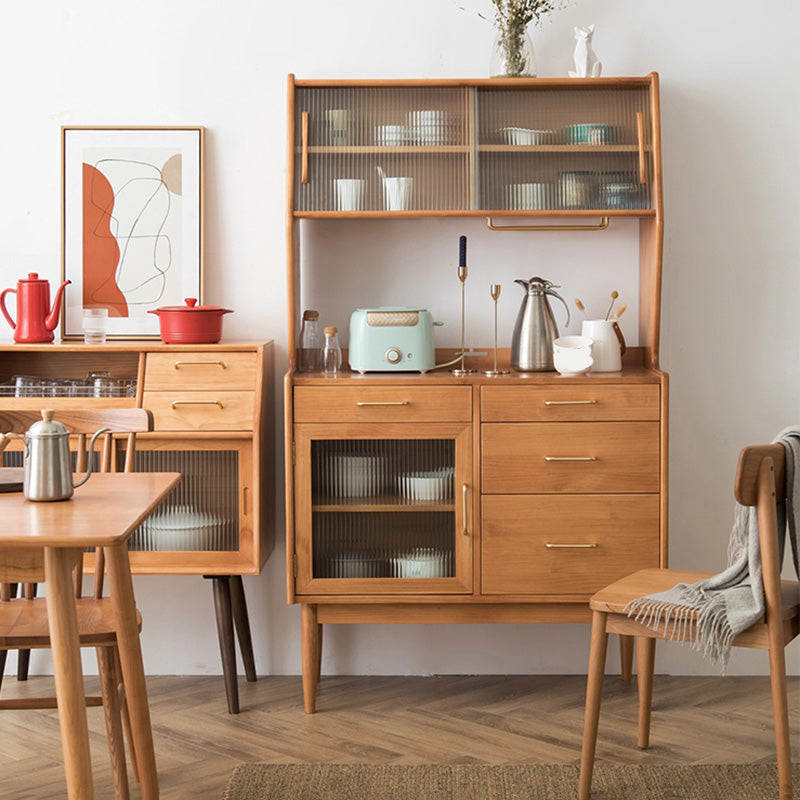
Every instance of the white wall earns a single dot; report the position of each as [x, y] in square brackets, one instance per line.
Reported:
[731, 279]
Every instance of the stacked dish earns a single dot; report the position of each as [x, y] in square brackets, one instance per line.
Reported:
[421, 562]
[356, 475]
[358, 565]
[183, 528]
[589, 133]
[392, 135]
[436, 485]
[430, 126]
[527, 136]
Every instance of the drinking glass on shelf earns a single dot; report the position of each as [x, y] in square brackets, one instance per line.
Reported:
[95, 325]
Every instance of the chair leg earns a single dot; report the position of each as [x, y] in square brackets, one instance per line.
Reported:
[126, 718]
[242, 626]
[780, 712]
[106, 669]
[594, 693]
[3, 654]
[626, 657]
[645, 666]
[227, 641]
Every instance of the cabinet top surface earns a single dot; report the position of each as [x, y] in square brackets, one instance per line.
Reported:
[130, 345]
[500, 83]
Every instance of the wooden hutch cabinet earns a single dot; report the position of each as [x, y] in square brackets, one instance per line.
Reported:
[213, 422]
[466, 498]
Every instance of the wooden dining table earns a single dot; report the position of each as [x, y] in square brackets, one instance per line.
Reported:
[103, 512]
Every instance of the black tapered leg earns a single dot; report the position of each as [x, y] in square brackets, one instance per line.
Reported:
[227, 643]
[242, 626]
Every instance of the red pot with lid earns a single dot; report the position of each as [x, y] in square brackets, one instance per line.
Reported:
[190, 324]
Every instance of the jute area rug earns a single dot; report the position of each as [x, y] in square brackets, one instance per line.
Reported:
[505, 782]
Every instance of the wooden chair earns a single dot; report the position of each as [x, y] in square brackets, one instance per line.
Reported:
[760, 482]
[23, 620]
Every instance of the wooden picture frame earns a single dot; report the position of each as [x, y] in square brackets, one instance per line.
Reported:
[132, 224]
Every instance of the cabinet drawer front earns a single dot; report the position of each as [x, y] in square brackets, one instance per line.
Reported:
[543, 458]
[189, 371]
[577, 401]
[382, 404]
[552, 544]
[206, 411]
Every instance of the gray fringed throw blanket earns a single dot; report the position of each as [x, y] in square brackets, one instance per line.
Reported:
[732, 601]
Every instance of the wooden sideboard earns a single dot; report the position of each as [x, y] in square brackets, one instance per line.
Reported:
[213, 422]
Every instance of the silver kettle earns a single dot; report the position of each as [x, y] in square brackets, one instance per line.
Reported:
[47, 470]
[535, 329]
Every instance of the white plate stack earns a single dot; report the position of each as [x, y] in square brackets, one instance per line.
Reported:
[433, 485]
[354, 475]
[422, 562]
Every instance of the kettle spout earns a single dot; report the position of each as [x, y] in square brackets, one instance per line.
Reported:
[55, 312]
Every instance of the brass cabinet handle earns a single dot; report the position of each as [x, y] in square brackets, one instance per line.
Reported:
[570, 402]
[304, 156]
[464, 509]
[216, 363]
[554, 546]
[382, 403]
[640, 136]
[570, 458]
[217, 403]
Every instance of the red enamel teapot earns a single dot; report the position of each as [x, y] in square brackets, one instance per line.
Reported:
[36, 321]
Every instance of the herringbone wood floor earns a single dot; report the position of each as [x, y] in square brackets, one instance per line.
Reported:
[476, 719]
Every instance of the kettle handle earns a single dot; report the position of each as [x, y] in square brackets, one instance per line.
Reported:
[3, 307]
[556, 294]
[89, 458]
[5, 438]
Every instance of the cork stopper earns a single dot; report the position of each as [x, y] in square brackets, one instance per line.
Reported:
[310, 314]
[331, 331]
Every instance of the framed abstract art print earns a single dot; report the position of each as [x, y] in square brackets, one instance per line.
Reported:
[132, 226]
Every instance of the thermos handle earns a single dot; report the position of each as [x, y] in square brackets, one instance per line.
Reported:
[89, 459]
[556, 294]
[3, 306]
[621, 338]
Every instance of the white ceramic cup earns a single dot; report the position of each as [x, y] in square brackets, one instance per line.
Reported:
[95, 325]
[397, 193]
[572, 355]
[349, 194]
[338, 120]
[609, 344]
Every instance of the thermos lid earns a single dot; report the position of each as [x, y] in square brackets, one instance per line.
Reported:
[48, 426]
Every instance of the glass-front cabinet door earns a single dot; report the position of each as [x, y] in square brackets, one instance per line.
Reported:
[383, 508]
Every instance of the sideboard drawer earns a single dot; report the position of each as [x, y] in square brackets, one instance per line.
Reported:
[206, 411]
[554, 544]
[200, 370]
[583, 457]
[578, 401]
[382, 404]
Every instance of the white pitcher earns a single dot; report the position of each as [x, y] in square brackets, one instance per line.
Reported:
[609, 344]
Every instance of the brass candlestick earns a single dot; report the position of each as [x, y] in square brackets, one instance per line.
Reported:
[495, 291]
[462, 276]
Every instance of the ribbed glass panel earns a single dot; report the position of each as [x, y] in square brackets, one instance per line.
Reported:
[202, 513]
[565, 149]
[420, 134]
[383, 508]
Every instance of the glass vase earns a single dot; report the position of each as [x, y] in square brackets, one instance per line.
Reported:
[512, 55]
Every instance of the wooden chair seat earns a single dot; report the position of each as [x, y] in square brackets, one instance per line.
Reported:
[24, 623]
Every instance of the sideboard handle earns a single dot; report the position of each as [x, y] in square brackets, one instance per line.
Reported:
[554, 546]
[382, 403]
[217, 403]
[464, 508]
[178, 364]
[570, 458]
[570, 402]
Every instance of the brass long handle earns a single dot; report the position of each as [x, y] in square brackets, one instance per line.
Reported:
[382, 403]
[216, 363]
[553, 546]
[304, 156]
[464, 509]
[570, 402]
[570, 458]
[600, 226]
[217, 403]
[640, 135]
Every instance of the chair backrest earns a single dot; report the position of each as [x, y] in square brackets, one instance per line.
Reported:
[25, 565]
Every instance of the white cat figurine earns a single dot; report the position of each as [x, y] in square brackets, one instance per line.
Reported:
[586, 63]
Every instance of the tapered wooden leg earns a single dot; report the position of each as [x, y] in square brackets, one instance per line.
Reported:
[227, 642]
[626, 657]
[242, 625]
[594, 693]
[126, 718]
[68, 672]
[645, 666]
[311, 656]
[106, 669]
[780, 712]
[24, 657]
[319, 651]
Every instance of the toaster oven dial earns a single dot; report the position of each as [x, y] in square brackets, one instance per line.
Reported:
[393, 355]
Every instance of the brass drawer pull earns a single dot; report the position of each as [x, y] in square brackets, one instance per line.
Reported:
[464, 509]
[178, 364]
[553, 546]
[382, 403]
[217, 403]
[570, 402]
[570, 458]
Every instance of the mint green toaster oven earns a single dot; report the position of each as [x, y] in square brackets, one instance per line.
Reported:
[391, 339]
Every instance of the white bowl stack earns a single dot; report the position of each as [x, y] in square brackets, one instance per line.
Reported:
[434, 485]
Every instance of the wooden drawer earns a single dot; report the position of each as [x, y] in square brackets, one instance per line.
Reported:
[593, 540]
[189, 371]
[582, 457]
[577, 401]
[382, 404]
[206, 411]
